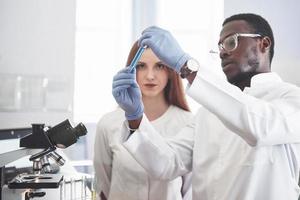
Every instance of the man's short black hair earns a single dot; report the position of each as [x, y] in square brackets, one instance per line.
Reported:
[259, 24]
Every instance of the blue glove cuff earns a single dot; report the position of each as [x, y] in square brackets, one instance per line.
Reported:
[181, 62]
[137, 114]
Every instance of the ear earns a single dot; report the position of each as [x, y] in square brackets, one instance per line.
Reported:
[265, 44]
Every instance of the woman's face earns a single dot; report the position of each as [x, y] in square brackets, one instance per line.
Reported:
[152, 74]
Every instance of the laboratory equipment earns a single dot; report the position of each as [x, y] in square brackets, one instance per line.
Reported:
[41, 145]
[137, 57]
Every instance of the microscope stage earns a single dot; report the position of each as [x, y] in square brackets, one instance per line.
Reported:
[35, 181]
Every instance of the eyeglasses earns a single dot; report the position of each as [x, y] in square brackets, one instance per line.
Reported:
[231, 42]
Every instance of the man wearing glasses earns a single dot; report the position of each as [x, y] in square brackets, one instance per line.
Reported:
[243, 144]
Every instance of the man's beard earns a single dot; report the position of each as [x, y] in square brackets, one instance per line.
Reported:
[245, 75]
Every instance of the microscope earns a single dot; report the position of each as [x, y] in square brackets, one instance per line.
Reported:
[41, 144]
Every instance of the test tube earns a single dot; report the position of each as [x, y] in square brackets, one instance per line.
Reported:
[61, 185]
[75, 182]
[137, 57]
[65, 189]
[82, 188]
[71, 188]
[93, 192]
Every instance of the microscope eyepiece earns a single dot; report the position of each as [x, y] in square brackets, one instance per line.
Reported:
[80, 130]
[64, 135]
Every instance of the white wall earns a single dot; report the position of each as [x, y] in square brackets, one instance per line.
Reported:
[284, 17]
[37, 38]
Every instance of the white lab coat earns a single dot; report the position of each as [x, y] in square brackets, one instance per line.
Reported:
[241, 145]
[119, 176]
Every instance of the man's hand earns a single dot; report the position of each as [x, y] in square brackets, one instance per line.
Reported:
[165, 47]
[127, 94]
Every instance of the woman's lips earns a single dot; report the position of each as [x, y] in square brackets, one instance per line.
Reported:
[149, 85]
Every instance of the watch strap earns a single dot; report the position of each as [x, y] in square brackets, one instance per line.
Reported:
[185, 71]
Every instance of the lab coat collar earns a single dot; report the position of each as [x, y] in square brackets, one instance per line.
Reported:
[264, 78]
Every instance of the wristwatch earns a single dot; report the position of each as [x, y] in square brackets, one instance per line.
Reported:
[190, 67]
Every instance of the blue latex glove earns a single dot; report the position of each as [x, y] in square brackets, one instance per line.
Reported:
[165, 47]
[128, 94]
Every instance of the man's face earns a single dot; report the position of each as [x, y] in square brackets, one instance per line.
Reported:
[240, 64]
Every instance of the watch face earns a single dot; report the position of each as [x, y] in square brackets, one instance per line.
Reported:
[193, 65]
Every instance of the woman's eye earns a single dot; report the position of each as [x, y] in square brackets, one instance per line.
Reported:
[140, 66]
[160, 66]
